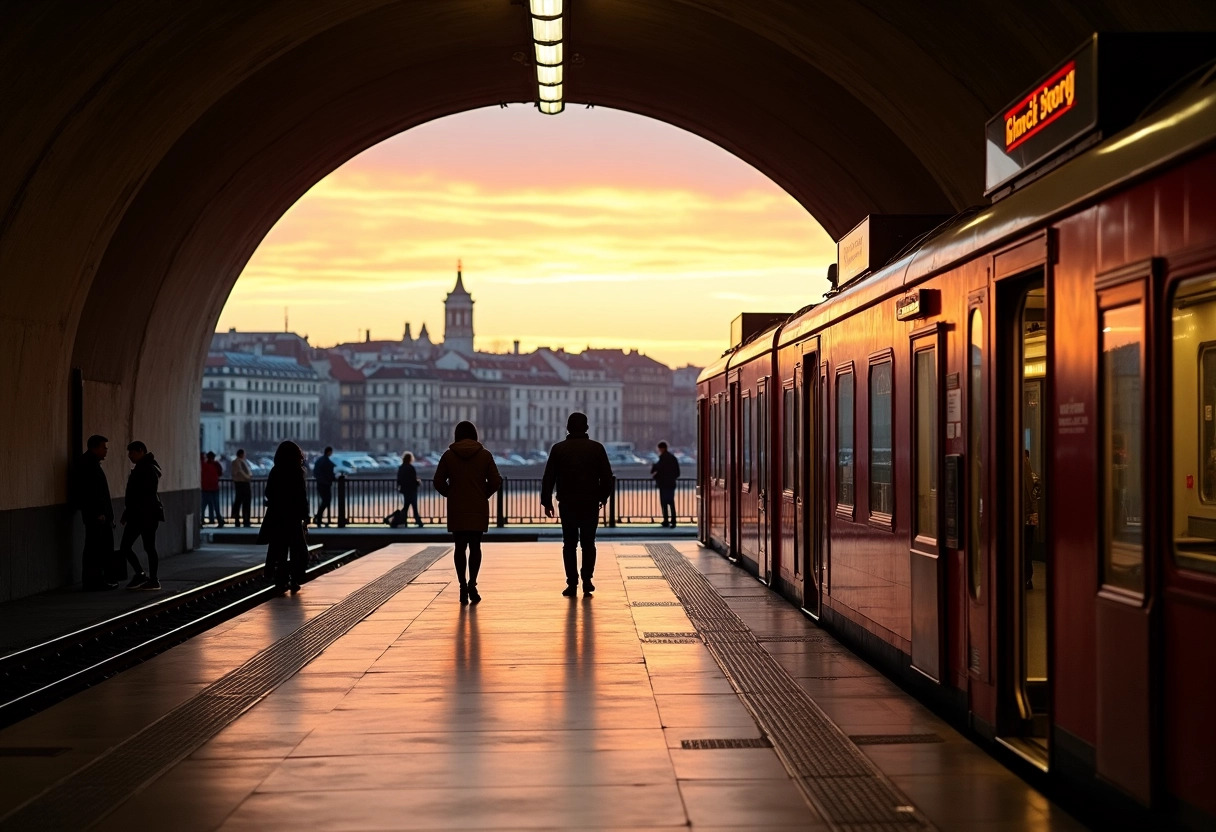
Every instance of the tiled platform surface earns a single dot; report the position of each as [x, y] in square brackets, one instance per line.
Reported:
[529, 711]
[44, 616]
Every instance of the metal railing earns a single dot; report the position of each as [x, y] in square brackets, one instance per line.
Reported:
[366, 501]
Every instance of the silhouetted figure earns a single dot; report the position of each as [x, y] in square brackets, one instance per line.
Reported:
[141, 515]
[407, 484]
[323, 473]
[1030, 518]
[578, 466]
[90, 492]
[666, 472]
[286, 516]
[212, 471]
[467, 476]
[242, 489]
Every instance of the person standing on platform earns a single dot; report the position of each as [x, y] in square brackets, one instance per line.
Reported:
[323, 473]
[212, 471]
[286, 517]
[142, 514]
[91, 495]
[467, 476]
[666, 472]
[242, 488]
[578, 467]
[407, 484]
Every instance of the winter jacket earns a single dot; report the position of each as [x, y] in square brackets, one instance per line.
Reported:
[467, 476]
[90, 489]
[286, 505]
[407, 480]
[666, 471]
[241, 472]
[212, 471]
[323, 471]
[579, 468]
[142, 503]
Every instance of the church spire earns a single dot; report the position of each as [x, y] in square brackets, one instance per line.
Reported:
[458, 317]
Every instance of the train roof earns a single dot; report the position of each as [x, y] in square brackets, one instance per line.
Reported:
[760, 344]
[1182, 127]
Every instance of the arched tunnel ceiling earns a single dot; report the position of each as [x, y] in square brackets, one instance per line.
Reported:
[148, 148]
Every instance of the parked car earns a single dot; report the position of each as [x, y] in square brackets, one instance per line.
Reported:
[389, 461]
[518, 460]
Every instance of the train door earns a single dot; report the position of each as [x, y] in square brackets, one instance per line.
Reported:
[734, 465]
[761, 484]
[704, 502]
[1023, 571]
[809, 384]
[926, 562]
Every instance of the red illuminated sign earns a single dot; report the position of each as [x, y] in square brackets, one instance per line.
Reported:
[1046, 103]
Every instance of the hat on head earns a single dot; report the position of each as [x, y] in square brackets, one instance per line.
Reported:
[577, 423]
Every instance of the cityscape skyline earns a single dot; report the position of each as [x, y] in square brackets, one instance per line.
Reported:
[603, 230]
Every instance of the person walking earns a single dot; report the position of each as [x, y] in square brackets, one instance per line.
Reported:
[323, 473]
[90, 492]
[141, 515]
[467, 476]
[242, 488]
[286, 516]
[578, 467]
[1030, 518]
[212, 471]
[407, 484]
[666, 472]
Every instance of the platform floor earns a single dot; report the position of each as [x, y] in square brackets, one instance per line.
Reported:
[528, 711]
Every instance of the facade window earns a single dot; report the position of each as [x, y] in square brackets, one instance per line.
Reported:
[844, 440]
[882, 492]
[925, 446]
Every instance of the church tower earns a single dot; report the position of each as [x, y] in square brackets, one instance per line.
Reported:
[458, 319]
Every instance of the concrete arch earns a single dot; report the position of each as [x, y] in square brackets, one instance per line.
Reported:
[146, 155]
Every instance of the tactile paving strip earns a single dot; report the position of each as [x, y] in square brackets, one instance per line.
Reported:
[711, 745]
[83, 798]
[840, 781]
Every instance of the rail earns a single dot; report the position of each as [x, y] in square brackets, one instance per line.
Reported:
[362, 501]
[37, 676]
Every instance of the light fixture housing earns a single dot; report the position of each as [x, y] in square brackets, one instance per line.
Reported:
[547, 39]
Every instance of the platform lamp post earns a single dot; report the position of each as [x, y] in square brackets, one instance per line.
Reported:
[547, 48]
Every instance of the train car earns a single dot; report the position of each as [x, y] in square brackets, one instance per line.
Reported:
[994, 465]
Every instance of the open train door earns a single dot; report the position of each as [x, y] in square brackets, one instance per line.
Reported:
[804, 429]
[703, 471]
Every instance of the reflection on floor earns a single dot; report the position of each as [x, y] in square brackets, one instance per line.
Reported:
[1036, 623]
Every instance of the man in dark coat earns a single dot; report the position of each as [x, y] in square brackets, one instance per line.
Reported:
[142, 514]
[407, 484]
[90, 492]
[578, 467]
[286, 516]
[665, 473]
[323, 473]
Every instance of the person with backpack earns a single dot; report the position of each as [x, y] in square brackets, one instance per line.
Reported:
[407, 484]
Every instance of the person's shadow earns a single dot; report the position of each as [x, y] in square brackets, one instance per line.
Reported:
[580, 688]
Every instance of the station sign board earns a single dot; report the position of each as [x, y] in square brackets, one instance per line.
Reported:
[877, 239]
[1101, 88]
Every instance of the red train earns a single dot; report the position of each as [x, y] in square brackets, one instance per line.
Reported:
[991, 463]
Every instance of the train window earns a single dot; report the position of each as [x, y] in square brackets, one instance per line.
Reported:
[844, 440]
[975, 449]
[789, 443]
[882, 492]
[926, 444]
[1120, 366]
[749, 439]
[1194, 439]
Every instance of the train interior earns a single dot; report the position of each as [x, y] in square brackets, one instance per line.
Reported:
[1194, 429]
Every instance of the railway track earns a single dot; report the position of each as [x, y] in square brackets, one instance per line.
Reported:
[38, 676]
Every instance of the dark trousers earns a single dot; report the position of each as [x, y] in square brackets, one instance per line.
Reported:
[278, 568]
[138, 530]
[211, 500]
[98, 552]
[667, 502]
[242, 500]
[579, 522]
[325, 491]
[1028, 534]
[472, 542]
[411, 501]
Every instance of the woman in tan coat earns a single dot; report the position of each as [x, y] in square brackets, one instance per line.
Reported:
[467, 476]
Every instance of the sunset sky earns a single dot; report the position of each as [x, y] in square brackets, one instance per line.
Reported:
[591, 228]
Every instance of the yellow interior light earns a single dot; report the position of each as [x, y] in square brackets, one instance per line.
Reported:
[546, 31]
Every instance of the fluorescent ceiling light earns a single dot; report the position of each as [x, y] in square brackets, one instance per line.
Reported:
[548, 54]
[551, 108]
[550, 93]
[546, 31]
[547, 8]
[548, 74]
